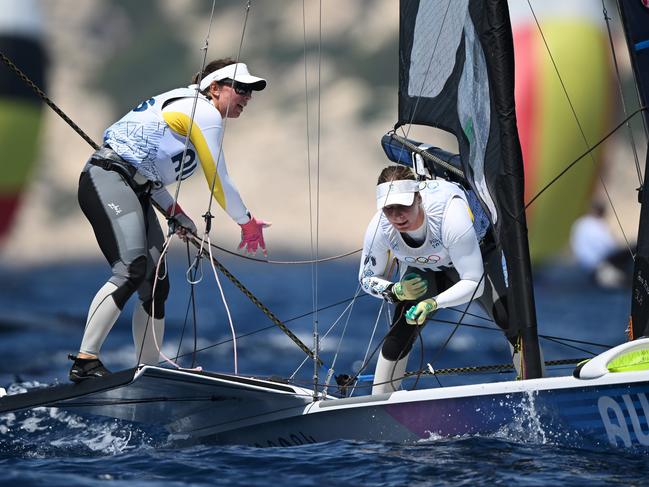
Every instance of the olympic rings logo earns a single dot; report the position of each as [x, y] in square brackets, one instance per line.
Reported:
[431, 259]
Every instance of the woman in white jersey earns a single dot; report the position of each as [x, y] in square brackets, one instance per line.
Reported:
[142, 153]
[428, 227]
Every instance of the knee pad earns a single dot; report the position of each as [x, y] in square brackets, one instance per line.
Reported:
[135, 273]
[394, 349]
[158, 299]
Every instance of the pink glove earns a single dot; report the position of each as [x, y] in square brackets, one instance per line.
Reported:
[252, 235]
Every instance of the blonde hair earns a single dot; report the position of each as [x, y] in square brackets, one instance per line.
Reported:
[395, 173]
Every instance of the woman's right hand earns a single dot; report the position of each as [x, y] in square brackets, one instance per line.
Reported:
[410, 288]
[180, 223]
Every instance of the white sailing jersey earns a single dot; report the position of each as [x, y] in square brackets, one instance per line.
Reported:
[450, 241]
[152, 136]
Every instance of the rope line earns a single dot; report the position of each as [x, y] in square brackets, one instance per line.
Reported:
[485, 368]
[254, 300]
[287, 262]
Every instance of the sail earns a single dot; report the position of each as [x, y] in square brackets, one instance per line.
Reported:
[456, 72]
[635, 19]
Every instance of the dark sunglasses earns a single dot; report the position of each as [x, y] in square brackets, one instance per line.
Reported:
[239, 88]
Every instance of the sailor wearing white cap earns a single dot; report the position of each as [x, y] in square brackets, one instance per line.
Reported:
[426, 226]
[143, 152]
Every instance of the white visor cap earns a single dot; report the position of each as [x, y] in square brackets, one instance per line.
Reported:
[238, 72]
[400, 192]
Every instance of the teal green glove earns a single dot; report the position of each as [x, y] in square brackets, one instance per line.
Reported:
[417, 314]
[411, 287]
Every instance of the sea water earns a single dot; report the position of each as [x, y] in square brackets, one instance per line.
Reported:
[43, 314]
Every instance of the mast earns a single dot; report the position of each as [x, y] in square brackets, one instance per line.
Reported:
[635, 20]
[456, 72]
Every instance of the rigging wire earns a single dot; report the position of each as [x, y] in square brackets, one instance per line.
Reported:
[193, 112]
[332, 367]
[193, 269]
[313, 240]
[208, 213]
[265, 328]
[177, 191]
[227, 310]
[316, 340]
[374, 328]
[227, 111]
[308, 151]
[560, 340]
[254, 299]
[333, 325]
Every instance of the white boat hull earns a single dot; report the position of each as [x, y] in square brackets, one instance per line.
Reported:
[607, 410]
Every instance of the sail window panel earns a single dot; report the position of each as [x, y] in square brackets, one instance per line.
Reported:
[438, 32]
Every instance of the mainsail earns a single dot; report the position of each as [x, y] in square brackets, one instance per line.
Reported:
[456, 72]
[635, 18]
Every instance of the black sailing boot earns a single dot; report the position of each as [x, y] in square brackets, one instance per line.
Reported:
[86, 368]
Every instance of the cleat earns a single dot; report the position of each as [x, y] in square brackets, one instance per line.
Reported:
[90, 368]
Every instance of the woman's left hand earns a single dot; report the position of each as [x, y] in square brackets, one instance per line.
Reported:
[252, 236]
[417, 314]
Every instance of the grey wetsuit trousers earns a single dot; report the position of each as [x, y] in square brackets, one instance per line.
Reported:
[128, 234]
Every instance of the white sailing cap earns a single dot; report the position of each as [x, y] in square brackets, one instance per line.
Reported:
[400, 192]
[238, 72]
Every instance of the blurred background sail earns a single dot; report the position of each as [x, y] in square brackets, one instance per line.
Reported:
[21, 41]
[550, 136]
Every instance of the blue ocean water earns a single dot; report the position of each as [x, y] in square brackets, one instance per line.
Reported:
[42, 320]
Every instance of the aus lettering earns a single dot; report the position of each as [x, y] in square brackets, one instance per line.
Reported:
[614, 413]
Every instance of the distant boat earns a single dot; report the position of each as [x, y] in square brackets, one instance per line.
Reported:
[21, 39]
[469, 91]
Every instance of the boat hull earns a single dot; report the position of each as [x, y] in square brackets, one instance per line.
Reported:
[559, 411]
[608, 411]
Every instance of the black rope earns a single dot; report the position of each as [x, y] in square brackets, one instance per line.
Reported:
[487, 368]
[286, 262]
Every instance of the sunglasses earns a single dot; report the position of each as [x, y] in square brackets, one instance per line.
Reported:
[239, 88]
